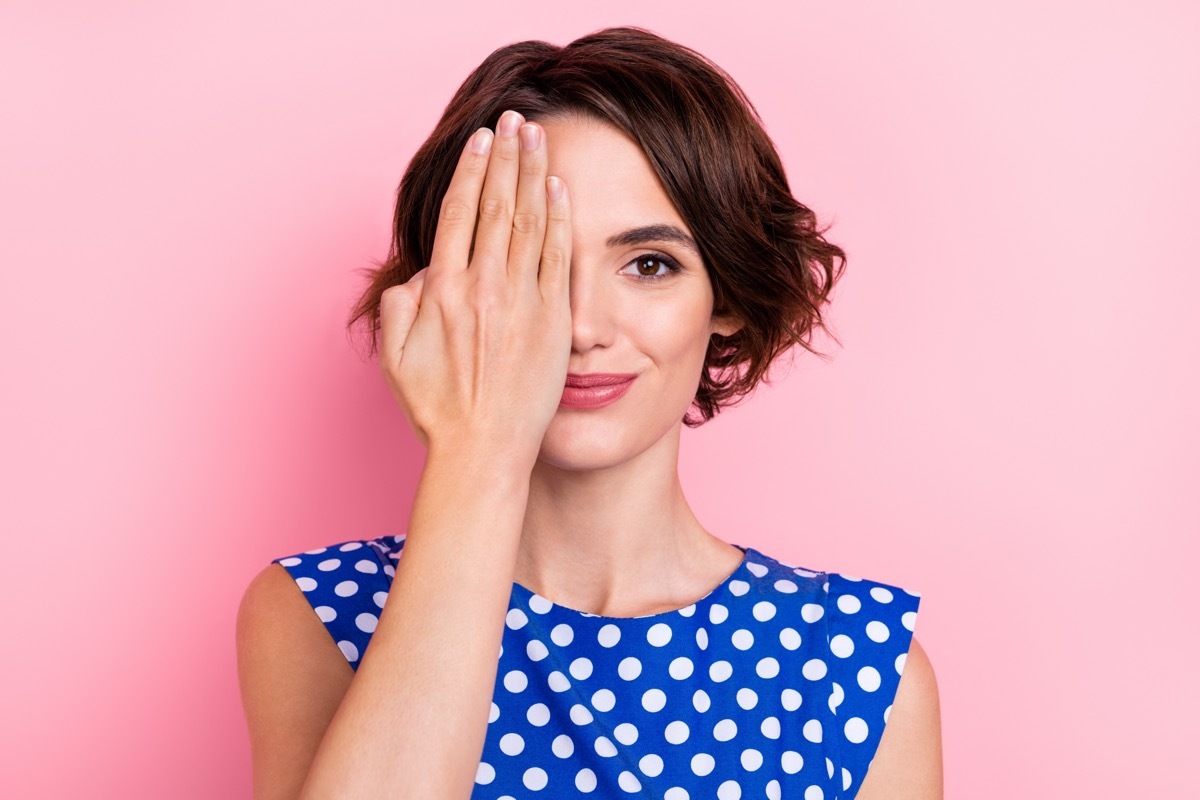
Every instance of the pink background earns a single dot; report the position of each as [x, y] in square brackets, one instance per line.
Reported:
[189, 189]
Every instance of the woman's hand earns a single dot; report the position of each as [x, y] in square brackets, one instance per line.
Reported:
[475, 346]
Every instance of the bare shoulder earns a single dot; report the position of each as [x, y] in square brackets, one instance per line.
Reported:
[908, 763]
[292, 678]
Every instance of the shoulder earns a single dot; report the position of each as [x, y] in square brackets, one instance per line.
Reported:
[908, 762]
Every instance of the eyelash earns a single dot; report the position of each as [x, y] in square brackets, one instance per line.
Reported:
[671, 264]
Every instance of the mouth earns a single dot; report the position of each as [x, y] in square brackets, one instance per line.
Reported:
[595, 390]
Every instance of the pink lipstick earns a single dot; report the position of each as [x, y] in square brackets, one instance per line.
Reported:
[595, 390]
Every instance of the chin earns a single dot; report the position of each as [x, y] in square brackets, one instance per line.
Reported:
[581, 442]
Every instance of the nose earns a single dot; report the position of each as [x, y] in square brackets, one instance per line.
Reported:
[593, 318]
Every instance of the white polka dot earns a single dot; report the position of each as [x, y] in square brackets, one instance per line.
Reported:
[289, 562]
[886, 712]
[792, 762]
[677, 732]
[757, 570]
[805, 573]
[869, 679]
[367, 567]
[380, 598]
[811, 612]
[511, 744]
[306, 584]
[535, 779]
[562, 634]
[729, 790]
[901, 660]
[346, 589]
[605, 747]
[702, 764]
[770, 727]
[909, 619]
[702, 638]
[742, 639]
[717, 613]
[849, 604]
[562, 746]
[841, 646]
[687, 611]
[851, 578]
[881, 594]
[580, 714]
[739, 588]
[581, 669]
[814, 669]
[790, 638]
[629, 782]
[764, 611]
[626, 733]
[846, 780]
[366, 622]
[747, 698]
[325, 613]
[720, 671]
[676, 793]
[812, 731]
[773, 790]
[877, 631]
[516, 681]
[785, 586]
[329, 564]
[751, 759]
[585, 780]
[608, 635]
[856, 730]
[493, 713]
[701, 701]
[654, 700]
[536, 650]
[604, 700]
[539, 604]
[681, 668]
[348, 546]
[659, 634]
[390, 571]
[629, 668]
[538, 715]
[316, 551]
[651, 765]
[485, 773]
[557, 681]
[814, 793]
[790, 699]
[836, 696]
[767, 667]
[349, 650]
[725, 730]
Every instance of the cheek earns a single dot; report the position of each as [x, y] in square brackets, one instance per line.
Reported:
[674, 335]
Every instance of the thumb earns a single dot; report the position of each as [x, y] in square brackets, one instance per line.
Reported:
[398, 307]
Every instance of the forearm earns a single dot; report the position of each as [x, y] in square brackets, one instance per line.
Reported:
[413, 722]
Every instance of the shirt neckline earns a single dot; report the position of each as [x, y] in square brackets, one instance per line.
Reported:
[528, 595]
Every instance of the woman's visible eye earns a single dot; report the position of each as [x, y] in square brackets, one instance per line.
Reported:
[653, 266]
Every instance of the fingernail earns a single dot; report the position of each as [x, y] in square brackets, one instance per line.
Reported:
[530, 137]
[481, 140]
[509, 121]
[554, 187]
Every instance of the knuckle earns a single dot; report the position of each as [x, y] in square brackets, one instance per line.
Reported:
[554, 258]
[494, 208]
[455, 209]
[527, 222]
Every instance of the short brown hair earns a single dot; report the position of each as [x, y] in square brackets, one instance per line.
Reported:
[770, 266]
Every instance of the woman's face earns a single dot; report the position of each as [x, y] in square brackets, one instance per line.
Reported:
[630, 312]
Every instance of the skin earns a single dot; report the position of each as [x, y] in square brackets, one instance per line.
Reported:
[481, 388]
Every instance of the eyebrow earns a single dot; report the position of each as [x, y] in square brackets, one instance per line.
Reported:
[653, 233]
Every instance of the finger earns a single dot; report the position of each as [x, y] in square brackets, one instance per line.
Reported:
[398, 306]
[529, 219]
[497, 204]
[456, 221]
[555, 270]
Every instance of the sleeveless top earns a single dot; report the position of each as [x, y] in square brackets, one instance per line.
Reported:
[777, 683]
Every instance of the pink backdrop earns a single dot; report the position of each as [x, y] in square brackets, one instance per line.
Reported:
[188, 190]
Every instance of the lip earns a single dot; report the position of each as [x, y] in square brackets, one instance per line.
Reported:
[595, 390]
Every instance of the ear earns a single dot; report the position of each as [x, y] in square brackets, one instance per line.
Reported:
[725, 325]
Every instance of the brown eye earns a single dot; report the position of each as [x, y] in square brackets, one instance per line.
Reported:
[654, 267]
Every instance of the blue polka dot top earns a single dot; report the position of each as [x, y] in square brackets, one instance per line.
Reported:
[776, 684]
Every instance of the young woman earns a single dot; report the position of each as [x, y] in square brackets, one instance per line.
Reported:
[620, 257]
